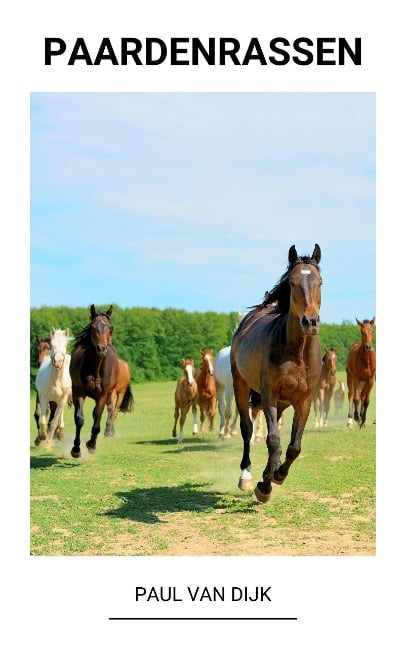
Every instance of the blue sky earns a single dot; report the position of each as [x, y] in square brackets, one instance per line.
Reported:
[192, 200]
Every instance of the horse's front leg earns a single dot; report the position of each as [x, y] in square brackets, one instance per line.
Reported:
[97, 415]
[212, 413]
[56, 420]
[366, 390]
[175, 416]
[183, 413]
[222, 410]
[294, 448]
[37, 413]
[42, 431]
[202, 417]
[112, 411]
[241, 393]
[194, 414]
[263, 489]
[79, 418]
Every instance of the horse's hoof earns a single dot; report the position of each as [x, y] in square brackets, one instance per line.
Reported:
[245, 484]
[76, 454]
[277, 480]
[91, 449]
[37, 441]
[246, 481]
[260, 496]
[226, 437]
[174, 435]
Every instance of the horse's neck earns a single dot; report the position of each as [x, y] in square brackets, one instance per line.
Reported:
[58, 375]
[205, 376]
[367, 357]
[305, 348]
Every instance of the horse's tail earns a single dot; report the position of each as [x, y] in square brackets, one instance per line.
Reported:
[128, 401]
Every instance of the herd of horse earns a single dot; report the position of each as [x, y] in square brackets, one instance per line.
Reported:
[274, 361]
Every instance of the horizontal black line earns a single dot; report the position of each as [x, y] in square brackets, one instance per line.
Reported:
[202, 618]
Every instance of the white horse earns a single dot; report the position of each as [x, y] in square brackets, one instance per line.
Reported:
[53, 384]
[226, 404]
[225, 394]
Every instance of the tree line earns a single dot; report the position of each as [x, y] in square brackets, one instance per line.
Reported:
[154, 341]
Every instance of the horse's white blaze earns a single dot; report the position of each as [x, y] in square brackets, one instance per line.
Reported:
[305, 272]
[189, 371]
[210, 364]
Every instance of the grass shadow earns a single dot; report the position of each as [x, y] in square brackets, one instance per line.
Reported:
[147, 504]
[43, 463]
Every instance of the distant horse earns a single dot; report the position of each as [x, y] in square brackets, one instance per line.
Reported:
[339, 396]
[43, 350]
[325, 387]
[94, 370]
[225, 394]
[122, 398]
[53, 385]
[361, 368]
[185, 398]
[275, 352]
[206, 389]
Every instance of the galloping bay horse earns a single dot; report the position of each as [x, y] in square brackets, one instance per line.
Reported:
[275, 352]
[95, 370]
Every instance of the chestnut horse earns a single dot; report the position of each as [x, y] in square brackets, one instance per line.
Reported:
[185, 398]
[206, 389]
[325, 388]
[94, 370]
[122, 398]
[53, 385]
[339, 395]
[275, 352]
[361, 368]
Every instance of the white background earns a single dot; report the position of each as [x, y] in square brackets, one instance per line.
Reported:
[59, 601]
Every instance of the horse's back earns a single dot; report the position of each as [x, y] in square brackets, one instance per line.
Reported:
[253, 338]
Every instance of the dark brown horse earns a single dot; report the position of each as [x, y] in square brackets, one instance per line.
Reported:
[94, 370]
[325, 388]
[185, 398]
[275, 352]
[361, 368]
[206, 389]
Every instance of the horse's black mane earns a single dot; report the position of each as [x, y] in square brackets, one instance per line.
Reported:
[82, 339]
[277, 300]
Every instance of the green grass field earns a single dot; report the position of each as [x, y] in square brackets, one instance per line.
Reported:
[141, 493]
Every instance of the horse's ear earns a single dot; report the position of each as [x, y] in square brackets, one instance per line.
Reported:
[316, 256]
[67, 333]
[92, 312]
[292, 255]
[37, 339]
[53, 329]
[358, 322]
[109, 312]
[372, 322]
